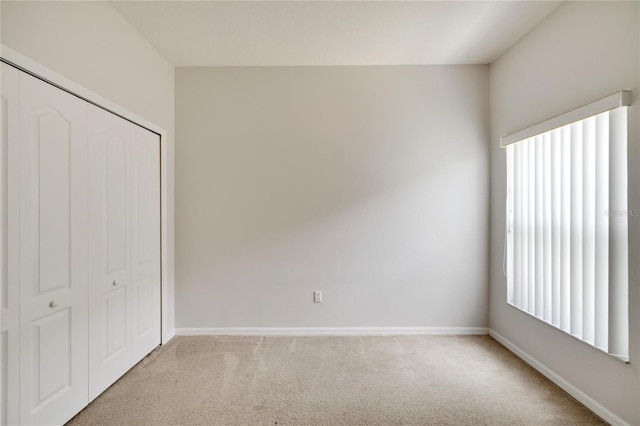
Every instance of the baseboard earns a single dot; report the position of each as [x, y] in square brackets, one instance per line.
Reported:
[170, 334]
[585, 399]
[331, 331]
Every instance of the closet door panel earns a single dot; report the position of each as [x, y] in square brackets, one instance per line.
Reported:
[53, 198]
[53, 253]
[9, 285]
[110, 252]
[145, 241]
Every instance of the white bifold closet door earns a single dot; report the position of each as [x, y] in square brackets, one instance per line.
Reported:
[54, 244]
[9, 298]
[80, 252]
[124, 271]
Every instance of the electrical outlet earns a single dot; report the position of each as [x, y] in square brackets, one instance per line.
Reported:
[317, 296]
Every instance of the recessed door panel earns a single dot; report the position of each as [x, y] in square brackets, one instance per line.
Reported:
[115, 214]
[144, 308]
[51, 361]
[4, 182]
[53, 242]
[110, 250]
[53, 158]
[116, 325]
[143, 206]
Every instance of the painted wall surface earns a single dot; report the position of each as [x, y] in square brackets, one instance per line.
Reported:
[368, 183]
[581, 52]
[93, 45]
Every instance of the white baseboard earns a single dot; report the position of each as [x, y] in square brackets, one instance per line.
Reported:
[331, 331]
[170, 334]
[585, 399]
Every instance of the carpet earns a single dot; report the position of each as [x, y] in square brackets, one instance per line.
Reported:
[390, 380]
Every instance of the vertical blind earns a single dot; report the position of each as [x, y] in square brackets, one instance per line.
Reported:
[567, 239]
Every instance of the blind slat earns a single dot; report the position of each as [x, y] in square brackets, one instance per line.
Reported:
[601, 291]
[508, 225]
[518, 225]
[546, 229]
[565, 233]
[556, 225]
[576, 230]
[524, 273]
[618, 232]
[588, 228]
[538, 225]
[531, 220]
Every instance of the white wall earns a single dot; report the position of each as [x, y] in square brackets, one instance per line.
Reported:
[91, 44]
[582, 51]
[368, 183]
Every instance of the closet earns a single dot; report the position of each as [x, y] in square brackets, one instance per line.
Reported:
[80, 249]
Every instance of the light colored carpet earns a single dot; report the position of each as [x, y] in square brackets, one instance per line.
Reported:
[418, 380]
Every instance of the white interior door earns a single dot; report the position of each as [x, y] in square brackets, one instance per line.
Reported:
[9, 289]
[145, 246]
[53, 253]
[124, 231]
[80, 252]
[110, 249]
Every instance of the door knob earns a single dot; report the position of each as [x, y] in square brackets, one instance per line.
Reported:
[115, 283]
[53, 304]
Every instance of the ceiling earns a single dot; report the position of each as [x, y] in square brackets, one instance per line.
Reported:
[250, 33]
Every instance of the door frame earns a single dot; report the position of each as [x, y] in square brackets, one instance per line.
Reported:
[17, 60]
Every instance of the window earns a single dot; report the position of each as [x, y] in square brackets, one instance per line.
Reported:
[567, 216]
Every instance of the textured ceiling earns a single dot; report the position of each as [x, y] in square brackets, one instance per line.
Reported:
[237, 33]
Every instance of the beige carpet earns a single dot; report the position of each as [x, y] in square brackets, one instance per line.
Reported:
[465, 380]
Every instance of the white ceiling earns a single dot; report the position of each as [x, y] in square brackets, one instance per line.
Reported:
[238, 33]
